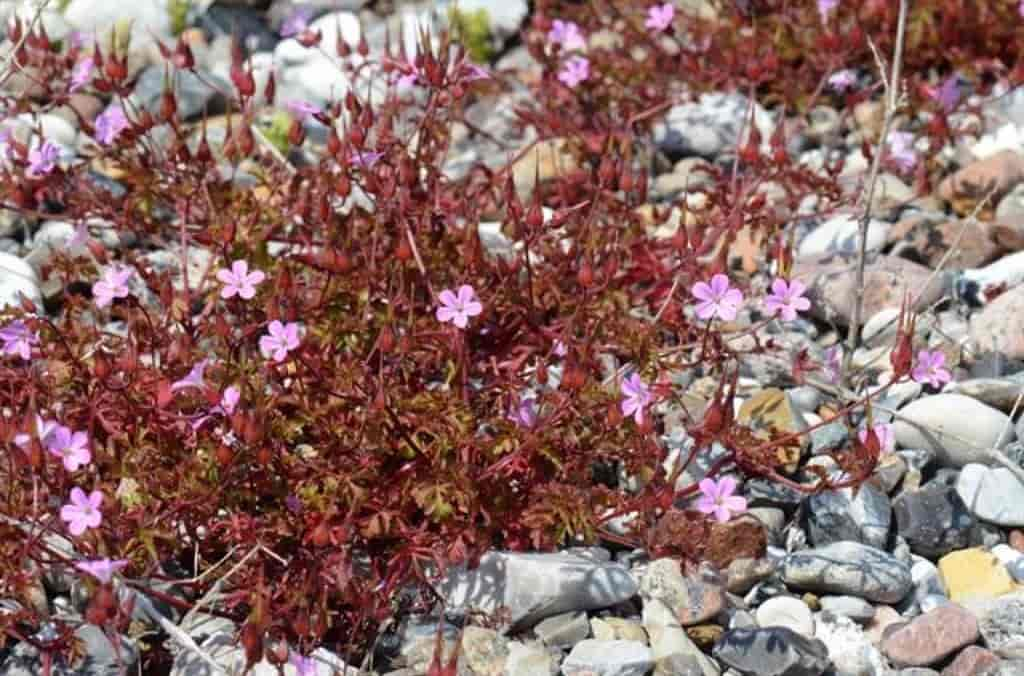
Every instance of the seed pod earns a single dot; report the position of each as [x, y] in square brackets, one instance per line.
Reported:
[386, 341]
[251, 639]
[270, 90]
[585, 275]
[224, 455]
[321, 536]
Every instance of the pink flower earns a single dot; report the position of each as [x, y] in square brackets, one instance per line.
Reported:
[834, 363]
[239, 281]
[297, 22]
[718, 499]
[43, 158]
[44, 429]
[471, 72]
[574, 71]
[524, 414]
[947, 94]
[229, 400]
[929, 369]
[843, 80]
[787, 299]
[365, 158]
[560, 349]
[280, 340]
[886, 437]
[81, 75]
[566, 34]
[302, 109]
[825, 8]
[18, 339]
[82, 511]
[193, 379]
[304, 666]
[110, 124]
[659, 17]
[901, 150]
[71, 447]
[636, 397]
[101, 569]
[1020, 9]
[717, 299]
[79, 237]
[113, 284]
[457, 309]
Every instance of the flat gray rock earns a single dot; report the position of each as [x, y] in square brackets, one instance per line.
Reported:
[848, 568]
[843, 514]
[992, 493]
[960, 430]
[934, 520]
[535, 586]
[773, 651]
[608, 658]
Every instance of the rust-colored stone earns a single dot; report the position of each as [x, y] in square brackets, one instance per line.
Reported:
[742, 538]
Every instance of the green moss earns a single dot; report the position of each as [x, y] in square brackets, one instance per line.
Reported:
[276, 131]
[473, 29]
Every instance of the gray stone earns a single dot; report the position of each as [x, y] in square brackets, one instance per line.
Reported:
[830, 437]
[1002, 627]
[565, 630]
[856, 609]
[933, 520]
[786, 611]
[535, 586]
[669, 641]
[863, 515]
[608, 658]
[839, 234]
[710, 126]
[192, 92]
[848, 568]
[18, 280]
[1012, 559]
[849, 648]
[529, 659]
[958, 429]
[774, 651]
[992, 494]
[98, 657]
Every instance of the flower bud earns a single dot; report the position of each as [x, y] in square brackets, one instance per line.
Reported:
[251, 639]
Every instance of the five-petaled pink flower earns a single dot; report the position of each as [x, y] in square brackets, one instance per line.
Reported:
[304, 666]
[365, 158]
[18, 339]
[885, 434]
[524, 413]
[717, 498]
[110, 124]
[279, 340]
[302, 109]
[81, 75]
[82, 511]
[229, 400]
[71, 447]
[946, 94]
[296, 23]
[574, 71]
[43, 158]
[101, 569]
[471, 72]
[901, 150]
[458, 308]
[717, 299]
[787, 299]
[635, 398]
[567, 34]
[239, 281]
[659, 17]
[930, 368]
[113, 284]
[843, 80]
[193, 379]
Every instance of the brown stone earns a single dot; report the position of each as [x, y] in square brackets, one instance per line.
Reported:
[999, 172]
[1017, 539]
[693, 598]
[705, 635]
[742, 538]
[999, 327]
[831, 280]
[972, 661]
[931, 637]
[926, 240]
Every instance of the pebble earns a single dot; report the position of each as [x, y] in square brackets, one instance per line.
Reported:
[974, 574]
[786, 611]
[863, 516]
[999, 172]
[484, 651]
[773, 651]
[849, 568]
[612, 628]
[1002, 627]
[999, 327]
[928, 238]
[709, 126]
[972, 661]
[840, 234]
[998, 393]
[849, 648]
[1012, 559]
[535, 586]
[857, 609]
[992, 493]
[563, 630]
[931, 637]
[529, 659]
[958, 429]
[933, 520]
[608, 658]
[693, 598]
[18, 280]
[982, 286]
[669, 642]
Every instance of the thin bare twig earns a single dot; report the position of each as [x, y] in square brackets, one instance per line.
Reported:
[892, 91]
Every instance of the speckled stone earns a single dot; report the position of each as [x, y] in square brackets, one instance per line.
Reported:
[848, 568]
[931, 637]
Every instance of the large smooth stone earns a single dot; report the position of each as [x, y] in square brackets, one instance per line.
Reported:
[958, 429]
[848, 568]
[993, 494]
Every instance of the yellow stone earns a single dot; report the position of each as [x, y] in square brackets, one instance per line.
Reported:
[974, 574]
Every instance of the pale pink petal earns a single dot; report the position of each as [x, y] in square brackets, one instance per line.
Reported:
[445, 313]
[702, 291]
[448, 298]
